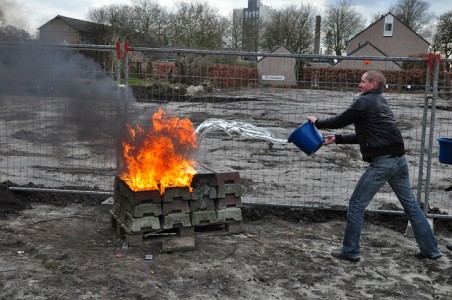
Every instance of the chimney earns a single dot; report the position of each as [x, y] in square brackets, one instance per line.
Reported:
[317, 35]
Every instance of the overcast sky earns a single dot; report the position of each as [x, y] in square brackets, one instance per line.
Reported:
[31, 14]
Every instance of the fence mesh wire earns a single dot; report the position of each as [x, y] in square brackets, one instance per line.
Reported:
[61, 126]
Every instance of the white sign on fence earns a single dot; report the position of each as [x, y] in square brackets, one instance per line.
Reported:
[273, 77]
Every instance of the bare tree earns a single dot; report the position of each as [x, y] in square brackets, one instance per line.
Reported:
[293, 27]
[415, 15]
[197, 25]
[151, 21]
[120, 20]
[442, 40]
[13, 34]
[342, 22]
[236, 29]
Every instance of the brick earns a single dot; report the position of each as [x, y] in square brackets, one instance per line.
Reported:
[229, 215]
[134, 240]
[176, 193]
[135, 198]
[186, 231]
[203, 204]
[175, 220]
[228, 201]
[229, 190]
[178, 244]
[206, 217]
[233, 227]
[139, 224]
[177, 206]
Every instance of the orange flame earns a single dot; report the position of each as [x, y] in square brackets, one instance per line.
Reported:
[156, 159]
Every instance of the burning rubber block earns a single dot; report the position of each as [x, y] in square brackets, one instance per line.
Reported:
[135, 198]
[139, 224]
[178, 206]
[176, 193]
[229, 190]
[229, 215]
[206, 217]
[178, 244]
[228, 201]
[201, 205]
[176, 220]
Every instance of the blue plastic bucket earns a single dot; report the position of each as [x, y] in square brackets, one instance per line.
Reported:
[307, 138]
[445, 151]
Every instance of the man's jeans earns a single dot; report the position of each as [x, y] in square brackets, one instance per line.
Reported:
[393, 170]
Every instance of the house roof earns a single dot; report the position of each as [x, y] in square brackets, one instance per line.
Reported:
[383, 16]
[79, 25]
[368, 44]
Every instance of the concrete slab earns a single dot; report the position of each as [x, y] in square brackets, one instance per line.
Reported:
[178, 244]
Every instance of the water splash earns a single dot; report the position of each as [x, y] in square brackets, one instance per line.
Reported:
[234, 128]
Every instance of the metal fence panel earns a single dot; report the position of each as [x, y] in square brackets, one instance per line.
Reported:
[43, 142]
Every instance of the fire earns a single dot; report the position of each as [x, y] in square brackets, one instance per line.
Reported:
[157, 158]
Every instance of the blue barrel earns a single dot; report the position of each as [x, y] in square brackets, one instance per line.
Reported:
[307, 138]
[445, 151]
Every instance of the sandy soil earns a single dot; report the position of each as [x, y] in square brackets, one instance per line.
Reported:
[56, 246]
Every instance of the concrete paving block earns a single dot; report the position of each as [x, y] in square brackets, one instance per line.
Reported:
[215, 175]
[142, 209]
[139, 224]
[228, 201]
[203, 204]
[176, 193]
[229, 190]
[116, 209]
[107, 205]
[175, 220]
[409, 229]
[177, 206]
[178, 244]
[204, 191]
[229, 215]
[206, 217]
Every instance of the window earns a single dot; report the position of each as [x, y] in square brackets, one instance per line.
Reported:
[388, 28]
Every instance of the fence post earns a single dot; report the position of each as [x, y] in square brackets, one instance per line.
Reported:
[118, 62]
[424, 128]
[436, 60]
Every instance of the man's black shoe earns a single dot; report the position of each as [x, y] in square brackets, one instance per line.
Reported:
[422, 256]
[449, 246]
[337, 253]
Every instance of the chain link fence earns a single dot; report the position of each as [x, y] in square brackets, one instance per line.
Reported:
[62, 123]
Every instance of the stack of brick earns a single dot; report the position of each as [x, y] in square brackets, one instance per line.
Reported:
[215, 199]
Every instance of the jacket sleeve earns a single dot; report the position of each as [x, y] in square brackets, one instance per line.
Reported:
[356, 112]
[350, 138]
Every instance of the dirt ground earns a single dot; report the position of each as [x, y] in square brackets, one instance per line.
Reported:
[62, 246]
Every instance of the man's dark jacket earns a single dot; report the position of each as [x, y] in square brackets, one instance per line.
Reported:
[375, 129]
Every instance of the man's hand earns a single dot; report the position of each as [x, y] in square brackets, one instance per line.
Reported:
[329, 139]
[312, 119]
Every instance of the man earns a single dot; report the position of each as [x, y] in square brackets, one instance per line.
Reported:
[381, 145]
